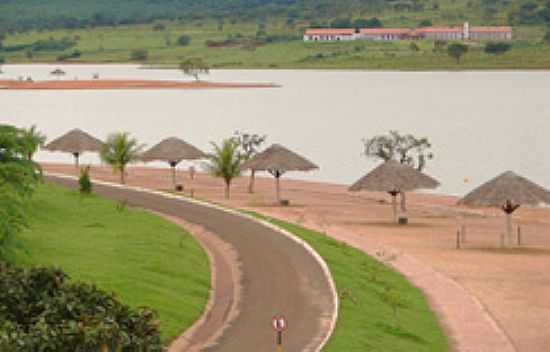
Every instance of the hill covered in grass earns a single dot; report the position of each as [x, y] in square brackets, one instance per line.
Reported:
[16, 15]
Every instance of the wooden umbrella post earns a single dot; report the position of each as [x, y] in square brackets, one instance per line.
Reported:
[509, 208]
[394, 194]
[76, 160]
[173, 165]
[278, 186]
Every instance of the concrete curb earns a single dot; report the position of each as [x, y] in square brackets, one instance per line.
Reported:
[334, 316]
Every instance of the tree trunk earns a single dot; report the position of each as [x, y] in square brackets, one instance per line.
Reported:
[122, 178]
[278, 187]
[251, 182]
[173, 177]
[227, 190]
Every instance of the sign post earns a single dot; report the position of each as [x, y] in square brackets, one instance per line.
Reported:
[279, 325]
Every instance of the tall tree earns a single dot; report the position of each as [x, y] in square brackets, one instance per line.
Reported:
[225, 162]
[194, 67]
[119, 151]
[249, 144]
[32, 139]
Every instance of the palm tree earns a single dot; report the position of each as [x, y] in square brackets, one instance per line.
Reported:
[225, 162]
[32, 139]
[119, 151]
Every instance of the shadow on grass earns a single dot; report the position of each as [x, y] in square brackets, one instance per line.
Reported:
[399, 332]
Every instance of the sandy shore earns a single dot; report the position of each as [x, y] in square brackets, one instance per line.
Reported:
[513, 285]
[123, 84]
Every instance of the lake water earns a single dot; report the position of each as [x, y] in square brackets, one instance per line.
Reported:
[480, 123]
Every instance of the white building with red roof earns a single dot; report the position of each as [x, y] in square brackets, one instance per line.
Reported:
[464, 32]
[329, 34]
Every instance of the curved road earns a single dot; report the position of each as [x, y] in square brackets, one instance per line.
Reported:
[279, 275]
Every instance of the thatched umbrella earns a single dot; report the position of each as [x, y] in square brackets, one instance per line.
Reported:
[277, 160]
[75, 142]
[58, 73]
[507, 191]
[173, 150]
[394, 178]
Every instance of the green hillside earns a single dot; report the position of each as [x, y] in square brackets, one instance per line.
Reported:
[263, 33]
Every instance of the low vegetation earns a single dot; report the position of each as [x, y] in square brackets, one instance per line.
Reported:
[269, 40]
[380, 310]
[144, 260]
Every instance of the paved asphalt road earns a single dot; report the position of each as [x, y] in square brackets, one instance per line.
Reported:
[279, 276]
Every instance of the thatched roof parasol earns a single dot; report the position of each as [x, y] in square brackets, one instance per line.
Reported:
[277, 160]
[507, 187]
[394, 178]
[173, 150]
[75, 142]
[508, 191]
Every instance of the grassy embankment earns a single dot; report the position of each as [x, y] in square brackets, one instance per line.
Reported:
[366, 320]
[108, 44]
[143, 259]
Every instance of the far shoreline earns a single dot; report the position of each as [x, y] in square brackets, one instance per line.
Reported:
[133, 84]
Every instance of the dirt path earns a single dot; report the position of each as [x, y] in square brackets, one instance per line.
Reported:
[279, 276]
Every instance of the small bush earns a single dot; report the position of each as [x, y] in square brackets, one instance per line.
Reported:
[139, 55]
[184, 40]
[85, 184]
[497, 48]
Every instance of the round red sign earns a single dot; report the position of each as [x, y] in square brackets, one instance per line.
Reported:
[279, 323]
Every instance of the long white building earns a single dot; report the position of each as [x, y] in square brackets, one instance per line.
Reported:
[465, 32]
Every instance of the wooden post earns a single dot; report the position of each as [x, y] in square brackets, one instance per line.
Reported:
[508, 230]
[278, 186]
[458, 239]
[77, 161]
[519, 235]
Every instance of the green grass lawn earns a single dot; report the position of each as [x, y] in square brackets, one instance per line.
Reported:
[110, 44]
[143, 259]
[366, 322]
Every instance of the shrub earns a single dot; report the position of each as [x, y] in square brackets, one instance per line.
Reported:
[41, 311]
[497, 47]
[184, 40]
[84, 182]
[139, 55]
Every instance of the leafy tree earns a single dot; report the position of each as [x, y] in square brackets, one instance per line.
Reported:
[119, 151]
[42, 311]
[457, 50]
[18, 178]
[139, 55]
[194, 67]
[425, 23]
[414, 47]
[225, 162]
[374, 23]
[439, 46]
[497, 48]
[249, 144]
[184, 40]
[405, 148]
[32, 139]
